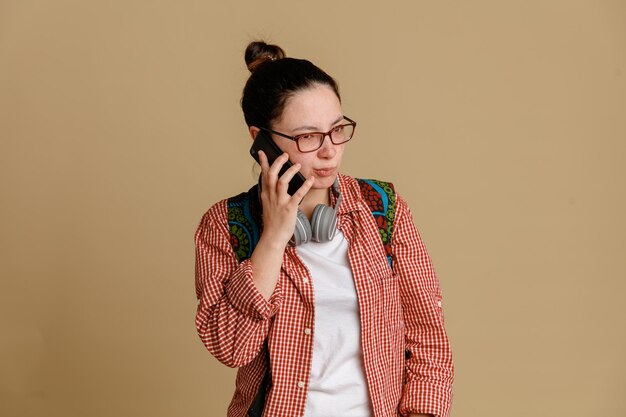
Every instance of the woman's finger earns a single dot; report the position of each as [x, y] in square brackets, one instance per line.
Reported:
[283, 182]
[272, 173]
[278, 164]
[264, 169]
[263, 162]
[304, 188]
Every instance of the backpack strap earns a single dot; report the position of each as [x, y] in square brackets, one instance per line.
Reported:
[244, 223]
[380, 197]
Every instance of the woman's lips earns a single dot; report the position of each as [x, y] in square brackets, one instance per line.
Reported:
[326, 172]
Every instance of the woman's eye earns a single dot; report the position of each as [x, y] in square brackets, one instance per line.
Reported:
[338, 129]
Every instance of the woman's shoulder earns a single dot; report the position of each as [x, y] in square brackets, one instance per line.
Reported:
[379, 196]
[223, 209]
[217, 212]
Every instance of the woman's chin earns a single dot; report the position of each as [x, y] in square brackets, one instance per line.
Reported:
[324, 182]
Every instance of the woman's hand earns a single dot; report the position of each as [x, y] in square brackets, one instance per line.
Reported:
[280, 208]
[279, 221]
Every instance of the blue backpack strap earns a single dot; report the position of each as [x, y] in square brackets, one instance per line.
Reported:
[380, 197]
[244, 223]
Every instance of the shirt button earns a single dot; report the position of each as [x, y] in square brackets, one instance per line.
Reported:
[305, 280]
[300, 384]
[307, 331]
[439, 303]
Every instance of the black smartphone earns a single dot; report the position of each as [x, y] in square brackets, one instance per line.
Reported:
[263, 142]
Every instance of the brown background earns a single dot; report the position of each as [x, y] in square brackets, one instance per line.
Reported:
[503, 123]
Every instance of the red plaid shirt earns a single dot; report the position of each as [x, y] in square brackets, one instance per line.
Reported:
[400, 311]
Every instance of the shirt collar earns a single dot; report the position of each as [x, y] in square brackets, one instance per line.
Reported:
[350, 195]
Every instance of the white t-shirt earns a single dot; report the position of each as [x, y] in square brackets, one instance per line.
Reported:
[337, 386]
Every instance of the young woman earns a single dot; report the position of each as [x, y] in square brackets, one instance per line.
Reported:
[327, 311]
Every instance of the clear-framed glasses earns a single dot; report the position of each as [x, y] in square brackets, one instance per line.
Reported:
[312, 141]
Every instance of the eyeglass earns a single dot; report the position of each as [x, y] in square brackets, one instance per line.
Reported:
[312, 141]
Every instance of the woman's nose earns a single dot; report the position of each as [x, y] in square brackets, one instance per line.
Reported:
[328, 148]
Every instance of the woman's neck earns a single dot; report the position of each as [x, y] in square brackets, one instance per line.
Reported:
[312, 199]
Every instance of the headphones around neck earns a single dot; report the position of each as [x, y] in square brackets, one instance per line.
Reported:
[323, 225]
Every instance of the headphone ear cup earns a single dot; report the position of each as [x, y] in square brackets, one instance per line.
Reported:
[302, 233]
[324, 223]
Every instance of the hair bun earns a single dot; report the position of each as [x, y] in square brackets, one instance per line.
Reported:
[259, 52]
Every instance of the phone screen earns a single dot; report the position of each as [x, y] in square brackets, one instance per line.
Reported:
[263, 142]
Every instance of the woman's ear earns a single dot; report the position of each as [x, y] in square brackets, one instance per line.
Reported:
[253, 131]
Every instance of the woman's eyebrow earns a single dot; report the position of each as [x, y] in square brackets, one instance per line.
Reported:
[317, 129]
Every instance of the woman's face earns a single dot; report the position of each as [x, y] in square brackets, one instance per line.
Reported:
[316, 109]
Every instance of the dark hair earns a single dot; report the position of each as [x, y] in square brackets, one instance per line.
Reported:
[273, 79]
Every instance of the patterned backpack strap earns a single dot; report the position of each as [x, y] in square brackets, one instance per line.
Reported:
[244, 223]
[381, 199]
